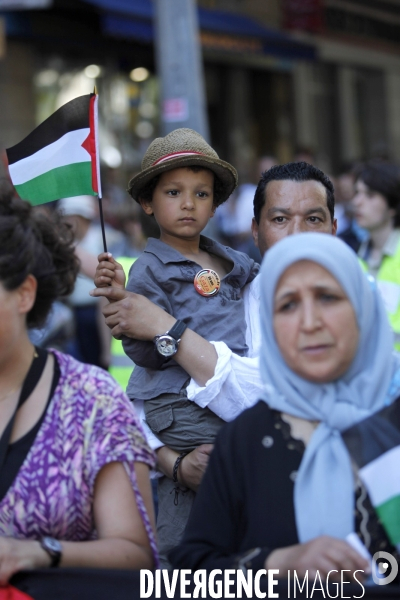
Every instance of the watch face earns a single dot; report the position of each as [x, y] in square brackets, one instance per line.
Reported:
[166, 345]
[52, 544]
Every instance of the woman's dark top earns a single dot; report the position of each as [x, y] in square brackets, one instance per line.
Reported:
[245, 500]
[18, 451]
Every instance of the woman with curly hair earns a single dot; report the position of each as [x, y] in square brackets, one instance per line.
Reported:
[74, 484]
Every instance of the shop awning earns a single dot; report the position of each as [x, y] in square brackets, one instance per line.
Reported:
[133, 8]
[221, 30]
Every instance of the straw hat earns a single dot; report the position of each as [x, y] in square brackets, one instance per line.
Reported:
[182, 148]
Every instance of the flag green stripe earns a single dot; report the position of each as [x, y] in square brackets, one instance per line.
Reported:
[389, 514]
[62, 182]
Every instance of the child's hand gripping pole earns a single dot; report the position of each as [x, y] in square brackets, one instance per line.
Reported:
[109, 272]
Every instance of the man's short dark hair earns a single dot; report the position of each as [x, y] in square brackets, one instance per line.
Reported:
[295, 171]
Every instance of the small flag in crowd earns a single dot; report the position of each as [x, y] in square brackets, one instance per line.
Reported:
[374, 445]
[60, 157]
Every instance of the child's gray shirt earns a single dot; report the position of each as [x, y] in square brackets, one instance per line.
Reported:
[166, 277]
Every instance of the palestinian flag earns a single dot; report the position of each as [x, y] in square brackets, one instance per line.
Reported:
[374, 446]
[60, 157]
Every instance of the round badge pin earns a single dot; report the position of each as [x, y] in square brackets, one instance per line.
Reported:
[207, 282]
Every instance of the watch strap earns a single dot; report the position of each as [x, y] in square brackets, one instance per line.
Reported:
[53, 549]
[177, 330]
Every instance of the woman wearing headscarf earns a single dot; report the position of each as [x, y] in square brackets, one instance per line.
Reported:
[280, 490]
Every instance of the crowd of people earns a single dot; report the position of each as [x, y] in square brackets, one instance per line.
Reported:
[244, 384]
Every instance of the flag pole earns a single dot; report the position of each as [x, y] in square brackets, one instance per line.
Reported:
[102, 223]
[99, 194]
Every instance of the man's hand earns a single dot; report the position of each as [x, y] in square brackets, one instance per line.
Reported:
[132, 314]
[109, 272]
[193, 466]
[322, 554]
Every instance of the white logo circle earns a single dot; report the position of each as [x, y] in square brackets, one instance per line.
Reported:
[380, 568]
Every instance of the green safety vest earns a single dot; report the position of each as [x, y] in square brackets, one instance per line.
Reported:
[121, 366]
[388, 283]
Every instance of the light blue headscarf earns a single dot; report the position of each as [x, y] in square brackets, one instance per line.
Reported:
[324, 487]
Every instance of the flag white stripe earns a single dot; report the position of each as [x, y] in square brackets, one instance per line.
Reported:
[381, 476]
[96, 139]
[65, 151]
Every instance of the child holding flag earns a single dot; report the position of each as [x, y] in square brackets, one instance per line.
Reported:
[193, 278]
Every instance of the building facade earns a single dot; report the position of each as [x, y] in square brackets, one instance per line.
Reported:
[280, 75]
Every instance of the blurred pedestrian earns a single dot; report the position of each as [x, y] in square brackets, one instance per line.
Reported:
[304, 154]
[89, 344]
[235, 216]
[377, 209]
[128, 218]
[348, 229]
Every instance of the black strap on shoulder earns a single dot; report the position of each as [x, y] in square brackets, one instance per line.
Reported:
[30, 382]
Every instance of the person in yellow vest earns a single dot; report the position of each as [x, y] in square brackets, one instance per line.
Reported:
[377, 209]
[121, 366]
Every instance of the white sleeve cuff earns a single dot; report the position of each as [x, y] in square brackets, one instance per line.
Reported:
[203, 395]
[236, 385]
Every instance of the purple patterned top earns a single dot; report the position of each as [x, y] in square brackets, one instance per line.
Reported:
[89, 423]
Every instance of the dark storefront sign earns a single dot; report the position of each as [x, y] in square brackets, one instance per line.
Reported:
[303, 15]
[229, 43]
[346, 22]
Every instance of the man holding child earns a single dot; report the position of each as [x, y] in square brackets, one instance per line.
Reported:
[182, 184]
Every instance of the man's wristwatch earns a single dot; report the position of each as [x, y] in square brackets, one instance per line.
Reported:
[53, 548]
[167, 344]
